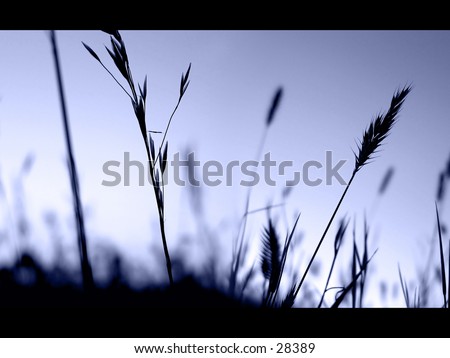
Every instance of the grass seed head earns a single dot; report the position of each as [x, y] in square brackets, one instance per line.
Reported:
[379, 129]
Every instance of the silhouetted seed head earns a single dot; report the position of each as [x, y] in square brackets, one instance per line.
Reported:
[379, 129]
[447, 173]
[441, 187]
[270, 256]
[27, 164]
[289, 300]
[275, 104]
[343, 224]
[287, 190]
[386, 181]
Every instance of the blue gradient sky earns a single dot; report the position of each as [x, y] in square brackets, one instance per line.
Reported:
[334, 83]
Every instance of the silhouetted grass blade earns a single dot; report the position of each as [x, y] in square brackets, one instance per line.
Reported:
[163, 163]
[247, 279]
[139, 110]
[355, 254]
[364, 261]
[289, 300]
[337, 245]
[152, 146]
[114, 33]
[404, 288]
[441, 249]
[184, 81]
[143, 92]
[448, 285]
[119, 63]
[91, 51]
[120, 51]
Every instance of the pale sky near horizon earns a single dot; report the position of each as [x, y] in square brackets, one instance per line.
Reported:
[334, 83]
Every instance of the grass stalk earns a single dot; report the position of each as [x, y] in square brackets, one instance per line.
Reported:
[337, 245]
[448, 283]
[238, 252]
[373, 137]
[88, 280]
[299, 286]
[441, 250]
[157, 164]
[352, 284]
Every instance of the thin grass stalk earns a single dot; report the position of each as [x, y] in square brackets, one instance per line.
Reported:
[441, 249]
[237, 256]
[160, 205]
[238, 251]
[350, 286]
[362, 282]
[268, 207]
[167, 128]
[246, 281]
[243, 224]
[337, 245]
[354, 292]
[328, 281]
[159, 198]
[88, 280]
[297, 290]
[441, 189]
[184, 85]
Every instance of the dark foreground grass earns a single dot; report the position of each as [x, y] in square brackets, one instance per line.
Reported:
[28, 284]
